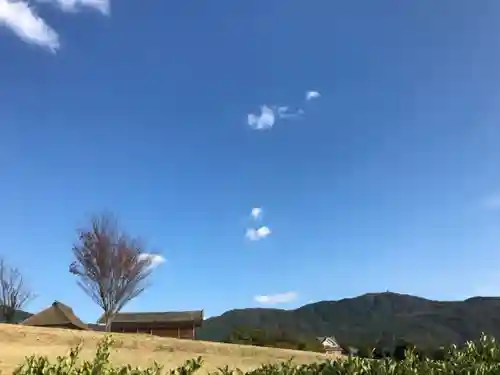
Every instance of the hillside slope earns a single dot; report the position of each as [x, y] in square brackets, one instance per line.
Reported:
[17, 342]
[371, 317]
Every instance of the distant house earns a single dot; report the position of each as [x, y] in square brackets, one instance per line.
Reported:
[58, 315]
[330, 344]
[179, 324]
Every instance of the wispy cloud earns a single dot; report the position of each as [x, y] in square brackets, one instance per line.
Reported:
[21, 19]
[263, 121]
[256, 213]
[312, 95]
[286, 113]
[74, 5]
[257, 234]
[270, 114]
[492, 202]
[275, 299]
[154, 259]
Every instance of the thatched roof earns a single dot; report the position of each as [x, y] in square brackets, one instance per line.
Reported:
[192, 317]
[58, 314]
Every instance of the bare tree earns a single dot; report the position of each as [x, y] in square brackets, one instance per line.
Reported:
[14, 294]
[110, 265]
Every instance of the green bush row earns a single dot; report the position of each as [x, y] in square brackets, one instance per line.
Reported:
[481, 357]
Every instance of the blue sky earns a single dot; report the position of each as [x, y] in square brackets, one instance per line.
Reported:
[389, 180]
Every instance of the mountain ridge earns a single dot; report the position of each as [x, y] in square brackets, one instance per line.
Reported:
[370, 318]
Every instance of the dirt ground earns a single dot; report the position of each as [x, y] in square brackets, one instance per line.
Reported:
[17, 342]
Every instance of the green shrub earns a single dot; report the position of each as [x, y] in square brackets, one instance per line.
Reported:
[476, 358]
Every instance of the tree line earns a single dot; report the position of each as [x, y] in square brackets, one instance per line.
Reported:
[110, 266]
[399, 351]
[276, 339]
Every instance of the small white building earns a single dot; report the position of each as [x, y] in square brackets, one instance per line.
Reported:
[330, 344]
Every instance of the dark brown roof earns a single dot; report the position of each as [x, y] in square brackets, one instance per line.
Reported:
[58, 314]
[195, 317]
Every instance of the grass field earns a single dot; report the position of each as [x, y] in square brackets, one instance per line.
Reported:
[16, 342]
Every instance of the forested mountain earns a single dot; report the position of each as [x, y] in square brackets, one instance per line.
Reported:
[371, 318]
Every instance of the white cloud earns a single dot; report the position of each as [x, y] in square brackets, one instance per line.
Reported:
[257, 234]
[21, 18]
[275, 299]
[492, 202]
[263, 121]
[270, 114]
[155, 259]
[256, 213]
[312, 95]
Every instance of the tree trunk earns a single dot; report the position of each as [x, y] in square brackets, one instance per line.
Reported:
[109, 321]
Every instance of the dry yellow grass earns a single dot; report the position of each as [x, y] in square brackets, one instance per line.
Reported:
[17, 342]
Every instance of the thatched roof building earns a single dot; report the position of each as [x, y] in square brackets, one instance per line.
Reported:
[58, 315]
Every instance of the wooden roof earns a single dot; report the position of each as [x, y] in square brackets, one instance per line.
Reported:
[194, 317]
[58, 314]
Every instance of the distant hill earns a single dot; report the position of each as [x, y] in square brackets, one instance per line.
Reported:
[19, 316]
[371, 318]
